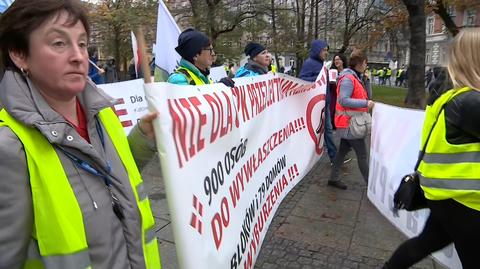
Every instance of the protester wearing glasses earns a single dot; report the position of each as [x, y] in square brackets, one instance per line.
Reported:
[197, 57]
[258, 62]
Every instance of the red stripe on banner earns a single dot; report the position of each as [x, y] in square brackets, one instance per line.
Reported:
[200, 227]
[127, 123]
[200, 209]
[120, 101]
[195, 202]
[121, 112]
[193, 222]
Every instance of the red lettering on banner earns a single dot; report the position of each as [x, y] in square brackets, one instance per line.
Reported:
[228, 127]
[215, 107]
[179, 131]
[202, 118]
[234, 188]
[239, 93]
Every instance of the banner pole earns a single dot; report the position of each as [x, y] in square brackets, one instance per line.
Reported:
[144, 62]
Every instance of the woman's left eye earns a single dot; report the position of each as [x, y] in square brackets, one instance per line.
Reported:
[59, 43]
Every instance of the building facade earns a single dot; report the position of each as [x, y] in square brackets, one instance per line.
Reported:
[438, 38]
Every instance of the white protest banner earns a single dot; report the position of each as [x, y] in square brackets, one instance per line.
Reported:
[393, 153]
[217, 73]
[229, 156]
[131, 101]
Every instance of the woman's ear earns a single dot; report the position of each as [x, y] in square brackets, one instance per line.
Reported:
[19, 59]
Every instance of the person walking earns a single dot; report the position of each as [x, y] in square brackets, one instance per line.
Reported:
[450, 169]
[309, 72]
[353, 95]
[111, 71]
[94, 71]
[339, 64]
[259, 60]
[71, 193]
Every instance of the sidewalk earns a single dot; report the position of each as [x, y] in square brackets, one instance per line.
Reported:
[315, 227]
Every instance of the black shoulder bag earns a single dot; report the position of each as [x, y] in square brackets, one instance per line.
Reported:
[409, 195]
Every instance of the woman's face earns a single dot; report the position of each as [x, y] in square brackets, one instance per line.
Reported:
[58, 60]
[338, 62]
[263, 58]
[205, 58]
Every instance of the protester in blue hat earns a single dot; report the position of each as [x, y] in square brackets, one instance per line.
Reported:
[258, 61]
[197, 57]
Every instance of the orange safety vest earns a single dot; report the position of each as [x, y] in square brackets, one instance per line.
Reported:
[342, 119]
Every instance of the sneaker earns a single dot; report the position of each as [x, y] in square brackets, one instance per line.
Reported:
[347, 160]
[337, 184]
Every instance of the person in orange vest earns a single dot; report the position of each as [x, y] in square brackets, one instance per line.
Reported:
[353, 96]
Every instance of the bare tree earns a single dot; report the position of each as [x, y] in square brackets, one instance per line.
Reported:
[359, 14]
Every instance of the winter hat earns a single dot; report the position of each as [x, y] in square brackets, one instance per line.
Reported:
[190, 43]
[252, 49]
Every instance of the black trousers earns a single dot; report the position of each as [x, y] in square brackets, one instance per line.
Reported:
[449, 222]
[360, 149]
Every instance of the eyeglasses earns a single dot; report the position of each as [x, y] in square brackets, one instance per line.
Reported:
[211, 50]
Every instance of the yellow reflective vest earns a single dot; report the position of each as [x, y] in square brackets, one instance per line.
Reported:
[195, 78]
[58, 238]
[449, 170]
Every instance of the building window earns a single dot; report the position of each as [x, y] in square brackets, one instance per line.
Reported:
[430, 25]
[428, 56]
[470, 17]
[451, 12]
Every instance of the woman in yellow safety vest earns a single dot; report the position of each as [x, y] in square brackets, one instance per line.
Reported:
[71, 195]
[450, 169]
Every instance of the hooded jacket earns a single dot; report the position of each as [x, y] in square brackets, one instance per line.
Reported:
[313, 64]
[112, 243]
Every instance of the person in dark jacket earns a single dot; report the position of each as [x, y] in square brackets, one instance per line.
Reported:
[111, 75]
[309, 72]
[449, 177]
[258, 62]
[94, 72]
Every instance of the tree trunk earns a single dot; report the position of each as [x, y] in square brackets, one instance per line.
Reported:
[316, 19]
[274, 34]
[416, 70]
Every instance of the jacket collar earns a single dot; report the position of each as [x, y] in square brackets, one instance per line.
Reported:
[188, 65]
[22, 101]
[255, 67]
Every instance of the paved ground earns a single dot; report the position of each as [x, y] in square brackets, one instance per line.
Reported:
[315, 227]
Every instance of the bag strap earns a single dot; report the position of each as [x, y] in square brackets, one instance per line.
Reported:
[422, 153]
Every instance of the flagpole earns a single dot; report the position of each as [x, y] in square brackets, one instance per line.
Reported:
[96, 66]
[143, 55]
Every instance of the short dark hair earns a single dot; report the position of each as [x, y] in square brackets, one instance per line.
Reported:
[357, 57]
[24, 16]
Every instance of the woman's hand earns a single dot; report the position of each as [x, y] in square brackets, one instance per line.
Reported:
[146, 126]
[370, 104]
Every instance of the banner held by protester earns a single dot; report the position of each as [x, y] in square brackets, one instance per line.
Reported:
[393, 155]
[229, 156]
